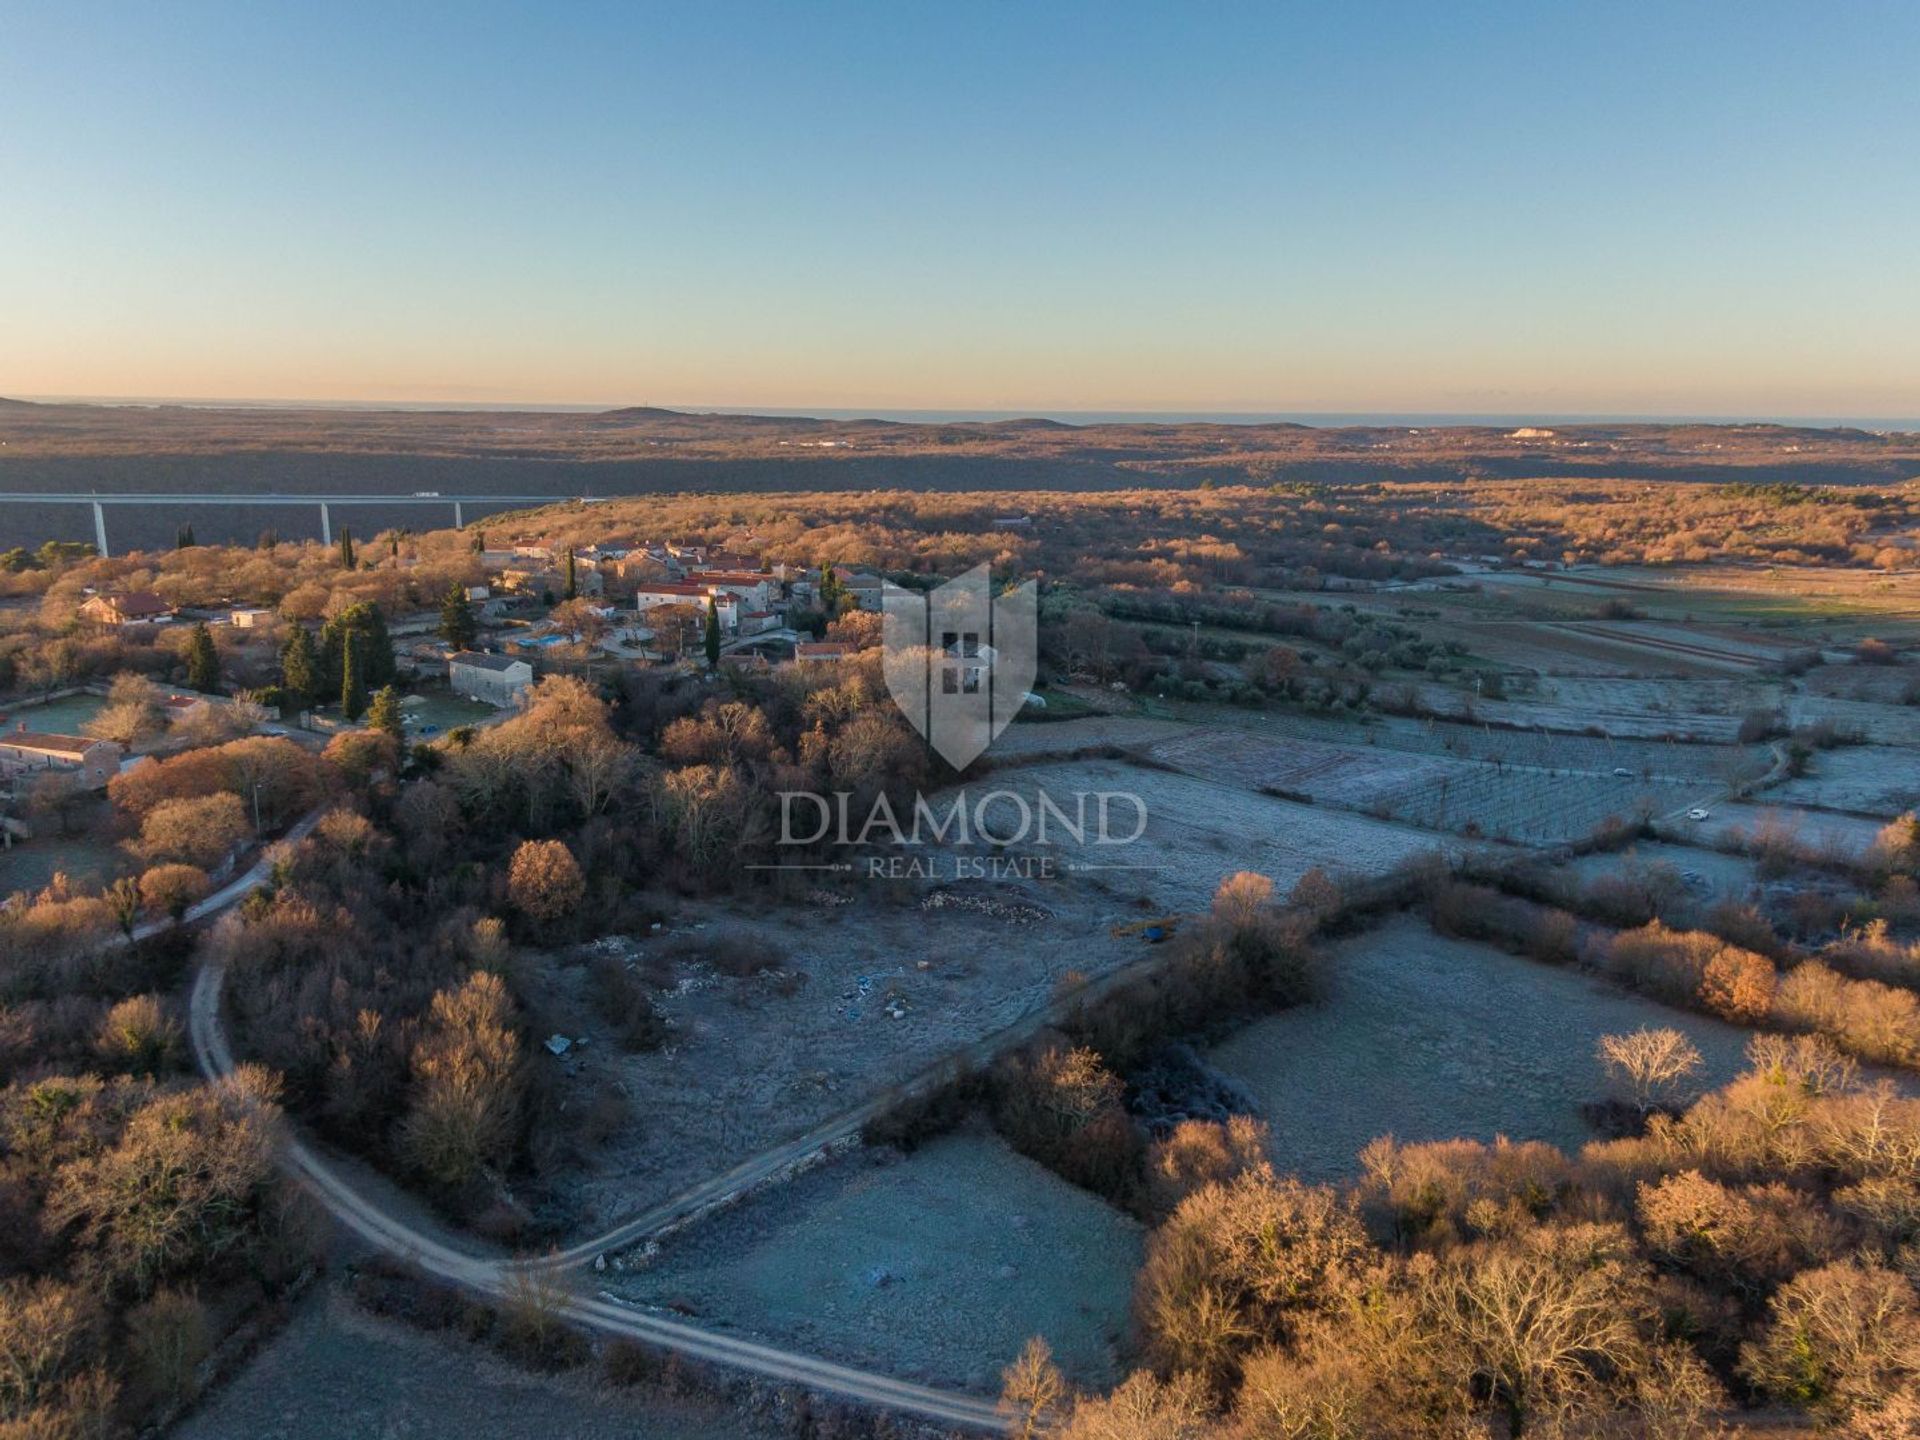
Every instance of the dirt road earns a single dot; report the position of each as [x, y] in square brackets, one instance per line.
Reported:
[502, 1278]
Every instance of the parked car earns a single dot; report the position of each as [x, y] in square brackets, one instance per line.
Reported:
[1696, 813]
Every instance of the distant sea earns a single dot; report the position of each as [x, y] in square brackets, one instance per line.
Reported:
[1325, 419]
[1330, 419]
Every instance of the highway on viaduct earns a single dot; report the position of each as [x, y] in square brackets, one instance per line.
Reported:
[324, 503]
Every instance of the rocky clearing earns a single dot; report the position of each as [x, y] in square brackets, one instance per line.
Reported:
[875, 981]
[856, 998]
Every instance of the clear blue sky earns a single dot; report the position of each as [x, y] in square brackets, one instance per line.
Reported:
[1341, 206]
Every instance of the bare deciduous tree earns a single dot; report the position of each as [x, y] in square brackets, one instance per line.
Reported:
[1032, 1391]
[1653, 1064]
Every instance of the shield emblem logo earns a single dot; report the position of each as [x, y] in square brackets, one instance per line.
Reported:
[960, 661]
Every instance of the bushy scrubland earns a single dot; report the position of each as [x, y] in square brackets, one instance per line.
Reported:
[1758, 1247]
[1830, 994]
[1759, 1244]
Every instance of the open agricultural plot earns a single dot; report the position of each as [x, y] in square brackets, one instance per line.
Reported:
[1680, 648]
[336, 1372]
[1702, 709]
[1800, 601]
[1564, 650]
[1425, 1038]
[1709, 876]
[1603, 755]
[1351, 777]
[1498, 744]
[936, 1265]
[1872, 779]
[1064, 737]
[1874, 684]
[1198, 831]
[1502, 801]
[1543, 807]
[1849, 836]
[1866, 720]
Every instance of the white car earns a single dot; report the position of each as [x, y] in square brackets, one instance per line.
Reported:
[1696, 813]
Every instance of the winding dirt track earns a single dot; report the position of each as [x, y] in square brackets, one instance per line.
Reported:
[500, 1278]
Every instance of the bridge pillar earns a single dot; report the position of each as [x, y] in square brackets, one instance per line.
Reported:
[326, 525]
[459, 519]
[100, 528]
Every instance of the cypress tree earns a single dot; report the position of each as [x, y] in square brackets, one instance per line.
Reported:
[203, 662]
[573, 578]
[457, 625]
[346, 548]
[300, 668]
[183, 538]
[369, 628]
[384, 713]
[353, 688]
[376, 649]
[713, 632]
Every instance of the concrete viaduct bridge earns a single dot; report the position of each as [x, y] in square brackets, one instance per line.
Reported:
[100, 502]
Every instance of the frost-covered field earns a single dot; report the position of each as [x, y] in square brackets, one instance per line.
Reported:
[1199, 831]
[1877, 779]
[938, 1265]
[336, 1373]
[1423, 1038]
[1709, 875]
[1847, 835]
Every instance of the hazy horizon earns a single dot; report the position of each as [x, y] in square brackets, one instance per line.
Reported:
[934, 415]
[937, 415]
[1496, 209]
